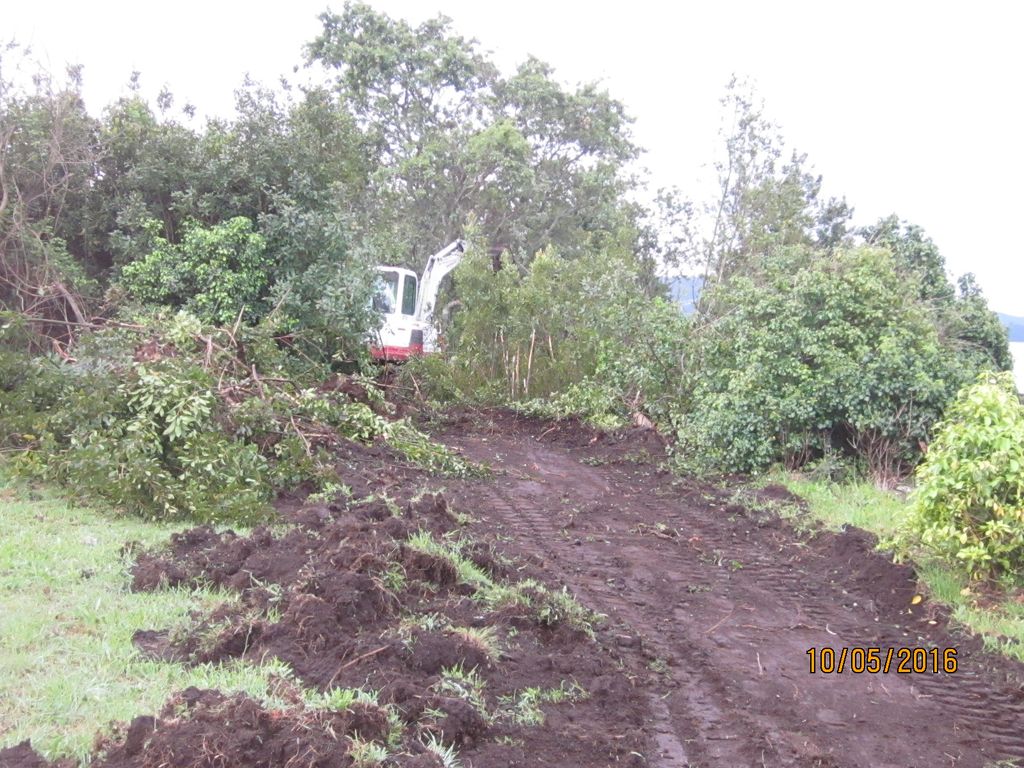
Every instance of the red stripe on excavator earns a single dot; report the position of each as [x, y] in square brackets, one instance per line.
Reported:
[396, 353]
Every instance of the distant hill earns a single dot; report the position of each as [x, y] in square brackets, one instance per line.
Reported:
[1015, 326]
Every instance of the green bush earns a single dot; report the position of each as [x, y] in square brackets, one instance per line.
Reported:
[167, 418]
[969, 502]
[817, 355]
[563, 337]
[148, 442]
[214, 273]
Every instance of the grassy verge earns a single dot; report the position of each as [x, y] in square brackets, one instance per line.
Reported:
[67, 664]
[997, 617]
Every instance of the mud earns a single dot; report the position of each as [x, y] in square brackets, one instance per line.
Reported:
[710, 600]
[340, 595]
[713, 605]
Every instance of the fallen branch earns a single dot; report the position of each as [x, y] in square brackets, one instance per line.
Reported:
[352, 663]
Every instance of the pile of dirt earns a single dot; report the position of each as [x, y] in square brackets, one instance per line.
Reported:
[207, 728]
[854, 560]
[349, 597]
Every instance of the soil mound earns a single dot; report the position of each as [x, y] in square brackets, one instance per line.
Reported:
[389, 597]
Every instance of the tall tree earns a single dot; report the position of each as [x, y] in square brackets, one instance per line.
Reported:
[535, 164]
[961, 314]
[48, 155]
[766, 198]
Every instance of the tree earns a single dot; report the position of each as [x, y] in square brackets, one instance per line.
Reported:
[48, 153]
[535, 164]
[917, 257]
[216, 273]
[580, 334]
[766, 199]
[814, 355]
[963, 318]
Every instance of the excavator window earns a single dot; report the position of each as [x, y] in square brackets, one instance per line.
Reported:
[409, 296]
[386, 297]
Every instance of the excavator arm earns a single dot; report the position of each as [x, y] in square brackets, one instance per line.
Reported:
[438, 265]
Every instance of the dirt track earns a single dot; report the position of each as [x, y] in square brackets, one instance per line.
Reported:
[712, 607]
[711, 601]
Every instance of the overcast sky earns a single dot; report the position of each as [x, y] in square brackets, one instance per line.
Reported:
[908, 108]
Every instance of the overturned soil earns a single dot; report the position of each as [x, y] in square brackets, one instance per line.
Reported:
[718, 603]
[451, 643]
[710, 603]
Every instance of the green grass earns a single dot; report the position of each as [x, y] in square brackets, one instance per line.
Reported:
[999, 623]
[67, 664]
[858, 503]
[550, 607]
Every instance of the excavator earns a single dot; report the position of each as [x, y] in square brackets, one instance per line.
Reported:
[405, 302]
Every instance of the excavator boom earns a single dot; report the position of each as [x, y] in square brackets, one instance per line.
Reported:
[438, 265]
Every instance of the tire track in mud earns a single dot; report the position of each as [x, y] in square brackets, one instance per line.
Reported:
[723, 608]
[693, 722]
[541, 531]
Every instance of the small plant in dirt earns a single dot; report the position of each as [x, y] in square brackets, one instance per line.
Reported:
[969, 503]
[444, 752]
[450, 550]
[336, 699]
[484, 639]
[549, 607]
[331, 491]
[559, 606]
[524, 707]
[658, 666]
[393, 579]
[428, 622]
[366, 754]
[468, 685]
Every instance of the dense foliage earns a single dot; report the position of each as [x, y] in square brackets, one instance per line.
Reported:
[288, 204]
[217, 274]
[565, 337]
[193, 283]
[810, 340]
[535, 163]
[816, 356]
[969, 501]
[164, 418]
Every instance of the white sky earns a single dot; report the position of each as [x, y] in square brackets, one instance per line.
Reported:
[906, 107]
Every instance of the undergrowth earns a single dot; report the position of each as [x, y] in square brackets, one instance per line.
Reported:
[548, 606]
[169, 419]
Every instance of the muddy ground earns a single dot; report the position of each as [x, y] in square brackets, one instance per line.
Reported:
[710, 603]
[722, 601]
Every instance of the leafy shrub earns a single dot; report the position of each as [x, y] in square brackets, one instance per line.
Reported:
[969, 502]
[320, 283]
[563, 337]
[816, 355]
[597, 404]
[29, 386]
[166, 417]
[214, 273]
[149, 444]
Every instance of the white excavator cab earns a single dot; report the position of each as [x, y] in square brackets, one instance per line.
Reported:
[395, 299]
[406, 306]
